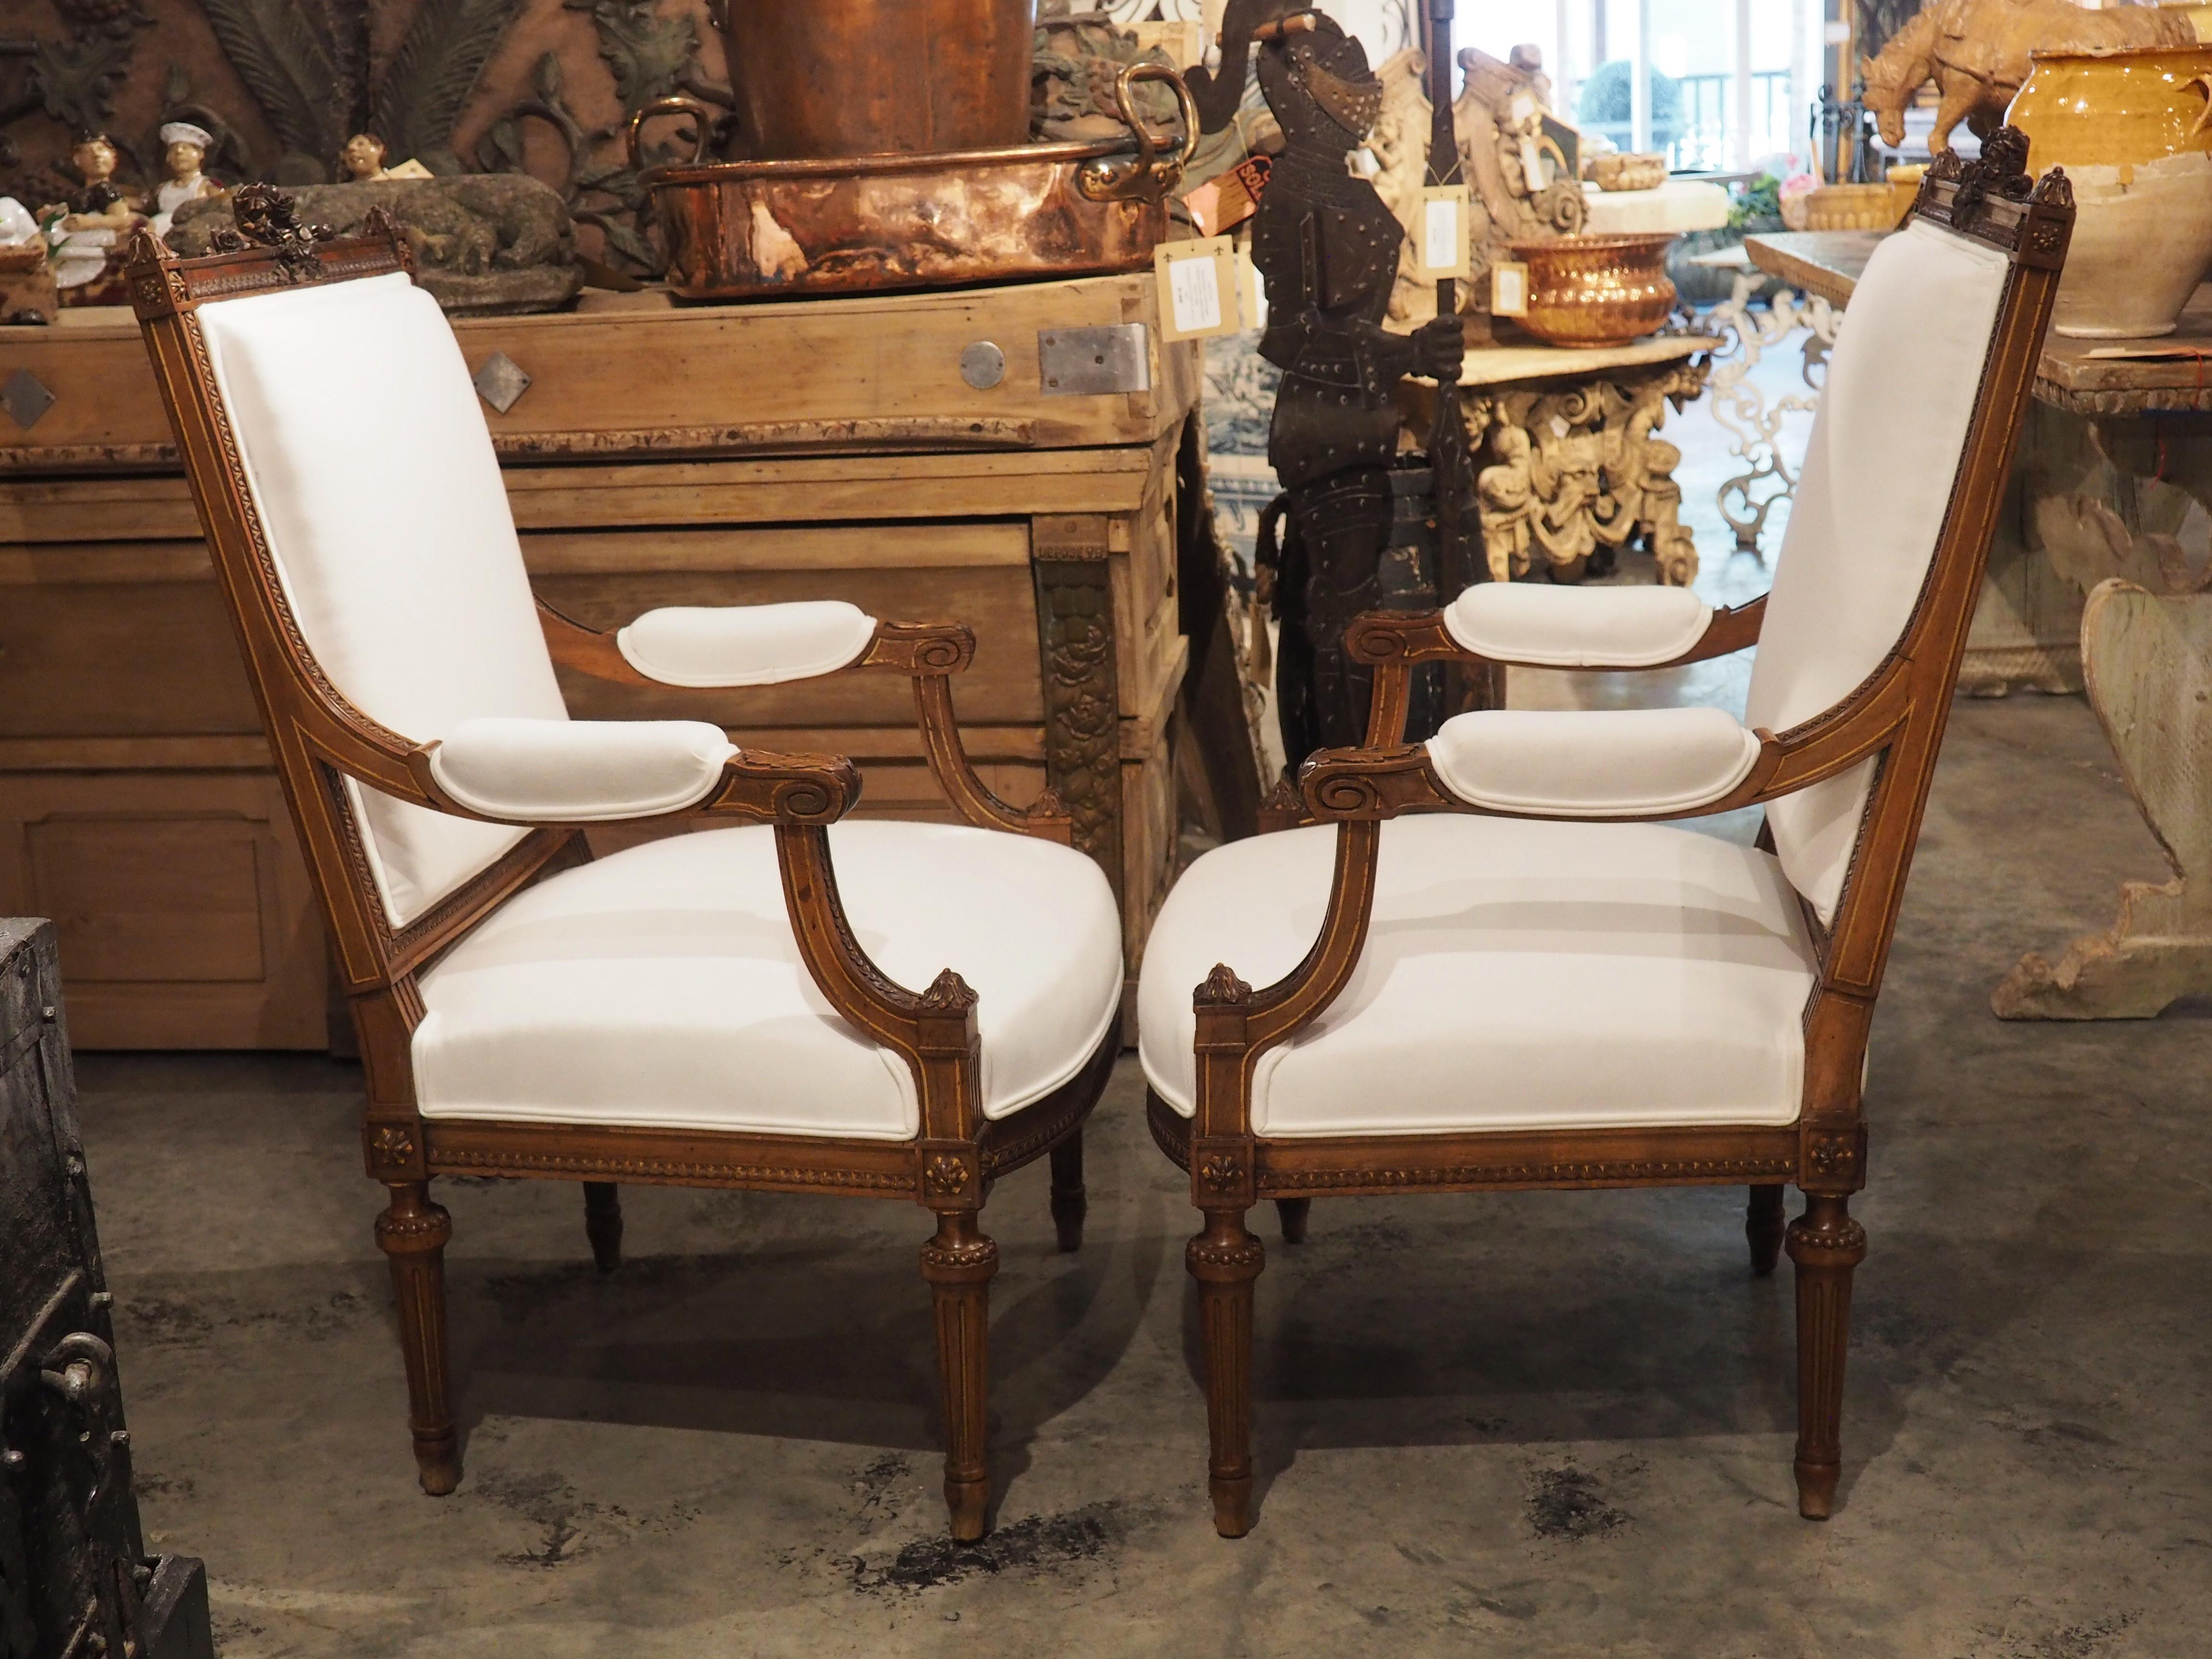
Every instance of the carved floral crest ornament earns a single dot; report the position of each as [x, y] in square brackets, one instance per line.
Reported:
[266, 218]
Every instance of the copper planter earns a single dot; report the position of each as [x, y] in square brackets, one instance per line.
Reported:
[1593, 291]
[742, 230]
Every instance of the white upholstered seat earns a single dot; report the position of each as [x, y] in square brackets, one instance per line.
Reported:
[662, 985]
[1517, 974]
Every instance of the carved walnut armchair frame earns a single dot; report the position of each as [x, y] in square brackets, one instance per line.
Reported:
[319, 739]
[1898, 713]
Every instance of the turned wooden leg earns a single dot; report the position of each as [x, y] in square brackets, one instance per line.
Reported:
[603, 1222]
[1293, 1213]
[1069, 1205]
[1226, 1259]
[413, 1232]
[958, 1263]
[1826, 1244]
[1762, 1226]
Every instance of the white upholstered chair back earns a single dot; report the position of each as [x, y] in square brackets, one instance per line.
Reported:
[1871, 504]
[374, 475]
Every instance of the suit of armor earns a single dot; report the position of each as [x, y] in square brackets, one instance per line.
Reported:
[1328, 247]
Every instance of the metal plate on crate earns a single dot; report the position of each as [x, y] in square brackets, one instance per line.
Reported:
[1091, 362]
[26, 398]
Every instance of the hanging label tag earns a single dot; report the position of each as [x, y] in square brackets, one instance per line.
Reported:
[1508, 289]
[1226, 201]
[1442, 247]
[1198, 287]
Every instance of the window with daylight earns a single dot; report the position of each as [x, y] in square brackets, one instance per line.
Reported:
[1728, 85]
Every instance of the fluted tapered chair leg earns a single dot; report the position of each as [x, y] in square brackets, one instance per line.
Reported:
[958, 1263]
[1226, 1259]
[412, 1232]
[1826, 1245]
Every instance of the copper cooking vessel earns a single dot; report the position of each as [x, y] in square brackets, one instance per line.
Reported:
[820, 78]
[787, 229]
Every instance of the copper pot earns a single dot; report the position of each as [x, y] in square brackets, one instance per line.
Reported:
[819, 78]
[737, 230]
[1593, 291]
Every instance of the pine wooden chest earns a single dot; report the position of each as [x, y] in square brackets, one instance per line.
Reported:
[654, 455]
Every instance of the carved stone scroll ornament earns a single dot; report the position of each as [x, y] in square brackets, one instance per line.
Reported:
[1574, 473]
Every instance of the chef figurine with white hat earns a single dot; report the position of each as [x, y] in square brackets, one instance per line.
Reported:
[185, 147]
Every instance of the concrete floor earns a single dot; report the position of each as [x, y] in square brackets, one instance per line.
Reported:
[1545, 1423]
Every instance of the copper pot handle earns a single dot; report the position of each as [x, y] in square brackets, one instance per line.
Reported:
[1152, 176]
[2204, 84]
[692, 107]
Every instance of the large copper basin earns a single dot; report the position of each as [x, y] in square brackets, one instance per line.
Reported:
[1596, 290]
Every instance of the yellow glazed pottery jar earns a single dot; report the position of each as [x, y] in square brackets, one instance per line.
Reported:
[2133, 130]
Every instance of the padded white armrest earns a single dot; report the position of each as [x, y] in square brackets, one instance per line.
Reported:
[1595, 763]
[1553, 627]
[746, 644]
[579, 771]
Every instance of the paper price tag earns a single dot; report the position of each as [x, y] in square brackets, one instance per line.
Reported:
[1442, 245]
[1508, 289]
[1198, 289]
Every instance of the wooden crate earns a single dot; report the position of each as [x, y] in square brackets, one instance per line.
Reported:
[136, 799]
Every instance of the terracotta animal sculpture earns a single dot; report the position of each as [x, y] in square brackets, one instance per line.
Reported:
[1977, 53]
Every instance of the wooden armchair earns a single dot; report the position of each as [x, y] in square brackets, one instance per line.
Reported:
[697, 1011]
[1486, 967]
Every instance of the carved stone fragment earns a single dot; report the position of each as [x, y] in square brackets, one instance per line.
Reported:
[484, 245]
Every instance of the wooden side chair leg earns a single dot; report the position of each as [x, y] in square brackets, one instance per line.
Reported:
[1226, 1259]
[1293, 1213]
[1826, 1244]
[603, 1222]
[1069, 1203]
[1762, 1226]
[958, 1263]
[413, 1233]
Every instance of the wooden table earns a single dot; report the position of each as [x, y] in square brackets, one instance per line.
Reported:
[2116, 458]
[658, 455]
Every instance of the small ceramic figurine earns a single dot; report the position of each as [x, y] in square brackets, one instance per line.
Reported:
[363, 160]
[85, 230]
[185, 147]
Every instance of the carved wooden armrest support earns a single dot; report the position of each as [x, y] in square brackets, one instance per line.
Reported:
[1351, 786]
[1236, 1025]
[935, 1030]
[956, 774]
[918, 648]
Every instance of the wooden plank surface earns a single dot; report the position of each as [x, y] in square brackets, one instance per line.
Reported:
[1823, 262]
[659, 378]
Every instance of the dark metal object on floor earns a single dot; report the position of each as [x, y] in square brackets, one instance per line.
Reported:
[74, 1577]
